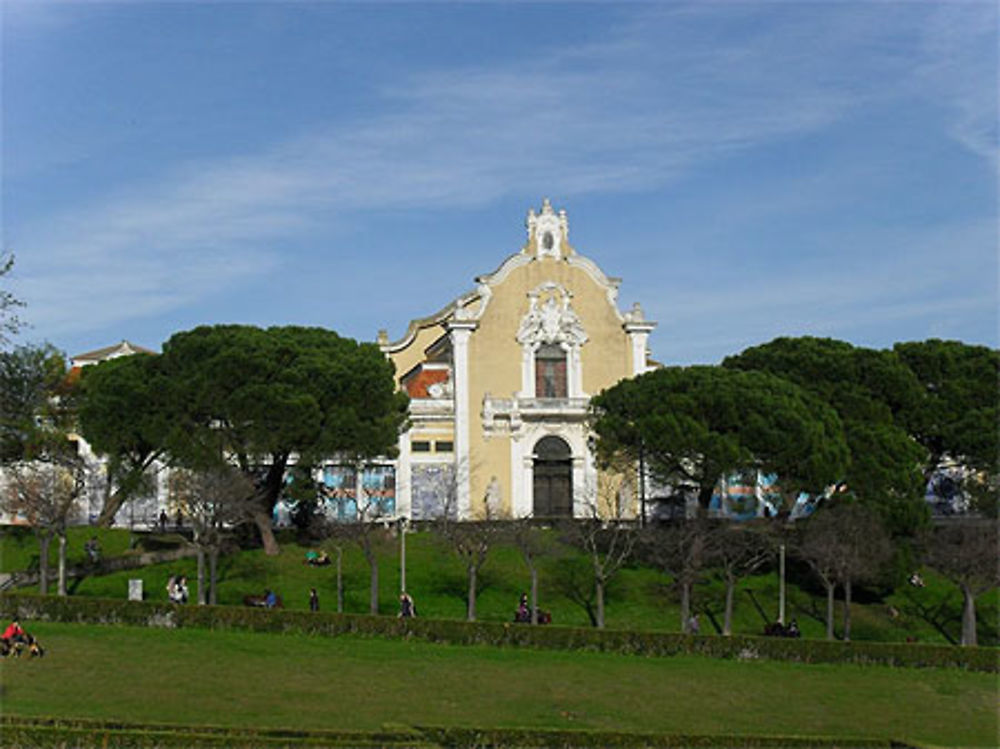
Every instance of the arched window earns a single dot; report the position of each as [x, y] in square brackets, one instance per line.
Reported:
[550, 372]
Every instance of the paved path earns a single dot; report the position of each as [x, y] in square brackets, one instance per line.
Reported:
[22, 579]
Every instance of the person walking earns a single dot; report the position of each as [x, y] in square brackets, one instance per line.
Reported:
[407, 608]
[694, 626]
[313, 600]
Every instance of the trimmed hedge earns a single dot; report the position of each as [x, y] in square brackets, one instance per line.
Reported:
[83, 732]
[58, 732]
[740, 647]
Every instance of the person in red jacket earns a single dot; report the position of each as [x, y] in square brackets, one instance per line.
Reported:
[14, 632]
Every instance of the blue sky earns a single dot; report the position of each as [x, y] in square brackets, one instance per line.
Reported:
[749, 169]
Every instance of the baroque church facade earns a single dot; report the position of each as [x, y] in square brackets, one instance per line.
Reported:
[500, 381]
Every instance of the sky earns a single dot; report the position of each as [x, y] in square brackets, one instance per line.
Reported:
[750, 170]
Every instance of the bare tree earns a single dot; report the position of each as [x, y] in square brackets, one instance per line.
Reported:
[368, 530]
[339, 551]
[607, 534]
[737, 551]
[844, 544]
[10, 323]
[471, 540]
[966, 554]
[680, 550]
[43, 492]
[213, 500]
[533, 545]
[942, 610]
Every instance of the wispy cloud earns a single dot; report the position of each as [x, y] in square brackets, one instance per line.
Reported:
[959, 63]
[569, 121]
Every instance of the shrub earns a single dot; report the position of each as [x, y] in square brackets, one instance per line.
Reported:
[651, 644]
[59, 732]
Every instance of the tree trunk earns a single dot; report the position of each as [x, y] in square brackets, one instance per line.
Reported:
[43, 563]
[266, 498]
[705, 497]
[599, 591]
[373, 591]
[847, 610]
[62, 564]
[202, 592]
[829, 610]
[213, 577]
[262, 520]
[685, 606]
[534, 595]
[727, 621]
[471, 605]
[113, 502]
[968, 616]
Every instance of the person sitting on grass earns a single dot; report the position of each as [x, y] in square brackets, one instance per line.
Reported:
[317, 559]
[14, 632]
[270, 599]
[522, 614]
[14, 640]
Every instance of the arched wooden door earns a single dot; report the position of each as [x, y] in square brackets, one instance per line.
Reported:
[553, 479]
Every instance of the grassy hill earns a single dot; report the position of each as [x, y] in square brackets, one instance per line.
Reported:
[192, 676]
[639, 598]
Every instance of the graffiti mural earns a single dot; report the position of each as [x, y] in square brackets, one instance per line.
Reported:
[378, 490]
[342, 500]
[753, 494]
[944, 492]
[340, 492]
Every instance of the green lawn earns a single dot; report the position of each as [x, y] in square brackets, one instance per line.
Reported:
[19, 546]
[638, 598]
[237, 678]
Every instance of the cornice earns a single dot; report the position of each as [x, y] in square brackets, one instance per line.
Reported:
[419, 323]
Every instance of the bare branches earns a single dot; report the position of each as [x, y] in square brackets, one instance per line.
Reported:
[844, 544]
[214, 500]
[43, 493]
[368, 531]
[533, 545]
[738, 551]
[607, 534]
[680, 550]
[10, 323]
[966, 554]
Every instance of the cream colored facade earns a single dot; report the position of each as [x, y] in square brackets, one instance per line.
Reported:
[505, 366]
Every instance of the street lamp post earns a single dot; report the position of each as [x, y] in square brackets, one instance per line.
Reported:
[402, 555]
[781, 585]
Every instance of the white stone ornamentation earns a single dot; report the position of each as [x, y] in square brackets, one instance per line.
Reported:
[551, 321]
[441, 389]
[549, 229]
